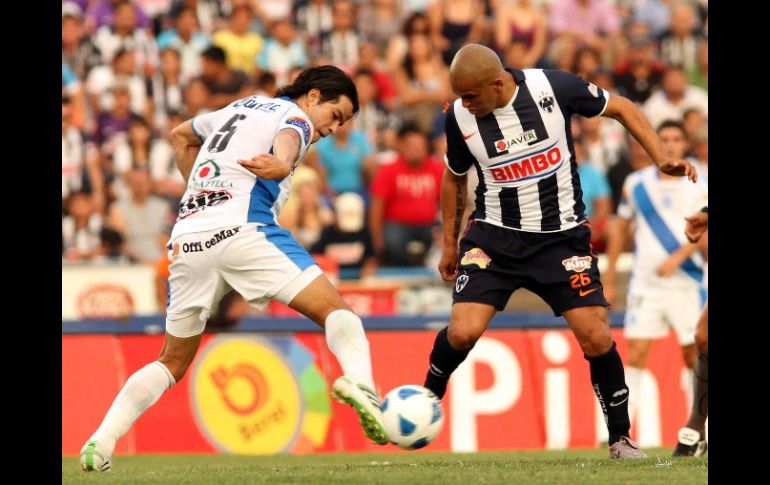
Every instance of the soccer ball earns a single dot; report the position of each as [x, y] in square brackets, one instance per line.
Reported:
[412, 416]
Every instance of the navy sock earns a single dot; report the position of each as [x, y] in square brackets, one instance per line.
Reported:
[609, 382]
[444, 359]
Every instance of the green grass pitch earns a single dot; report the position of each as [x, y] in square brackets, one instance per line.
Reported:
[567, 467]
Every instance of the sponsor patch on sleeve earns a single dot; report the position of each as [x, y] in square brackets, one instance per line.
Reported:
[301, 123]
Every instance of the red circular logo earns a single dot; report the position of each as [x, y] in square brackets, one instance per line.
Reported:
[105, 301]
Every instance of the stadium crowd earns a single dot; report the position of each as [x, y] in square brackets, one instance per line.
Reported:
[133, 70]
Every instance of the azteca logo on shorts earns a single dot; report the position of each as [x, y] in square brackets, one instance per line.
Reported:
[248, 398]
[476, 256]
[301, 123]
[577, 264]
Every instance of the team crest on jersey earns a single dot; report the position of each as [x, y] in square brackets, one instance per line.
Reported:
[461, 281]
[577, 264]
[546, 102]
[302, 124]
[476, 256]
[593, 89]
[207, 170]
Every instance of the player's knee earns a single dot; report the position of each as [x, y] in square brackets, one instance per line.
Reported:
[595, 340]
[176, 366]
[461, 338]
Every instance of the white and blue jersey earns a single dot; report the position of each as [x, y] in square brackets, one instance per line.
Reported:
[220, 192]
[658, 207]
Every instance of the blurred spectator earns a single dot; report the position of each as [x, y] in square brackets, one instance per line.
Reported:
[348, 241]
[596, 197]
[586, 62]
[525, 23]
[314, 22]
[700, 152]
[167, 181]
[240, 45]
[578, 23]
[641, 74]
[636, 159]
[102, 81]
[369, 59]
[516, 55]
[188, 40]
[674, 98]
[422, 83]
[105, 13]
[267, 85]
[77, 50]
[207, 12]
[692, 120]
[271, 10]
[224, 84]
[80, 229]
[453, 23]
[112, 247]
[380, 20]
[79, 167]
[698, 75]
[72, 89]
[126, 34]
[282, 51]
[307, 217]
[405, 201]
[654, 13]
[134, 151]
[343, 160]
[602, 141]
[341, 45]
[141, 218]
[398, 46]
[678, 46]
[373, 119]
[166, 87]
[197, 98]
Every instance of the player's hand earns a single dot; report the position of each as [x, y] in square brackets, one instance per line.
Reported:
[666, 268]
[679, 167]
[447, 266]
[696, 226]
[267, 166]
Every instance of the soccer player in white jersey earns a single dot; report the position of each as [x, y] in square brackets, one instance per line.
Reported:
[529, 227]
[238, 163]
[665, 290]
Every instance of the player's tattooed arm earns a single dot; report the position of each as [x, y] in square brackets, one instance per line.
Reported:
[186, 145]
[453, 194]
[278, 164]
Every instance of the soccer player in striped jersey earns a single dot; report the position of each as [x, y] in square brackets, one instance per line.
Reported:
[238, 163]
[529, 228]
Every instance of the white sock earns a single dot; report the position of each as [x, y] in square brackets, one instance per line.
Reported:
[347, 341]
[140, 392]
[633, 380]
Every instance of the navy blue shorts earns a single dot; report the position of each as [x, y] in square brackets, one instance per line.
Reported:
[560, 267]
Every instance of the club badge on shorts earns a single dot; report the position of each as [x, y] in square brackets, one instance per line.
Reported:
[461, 281]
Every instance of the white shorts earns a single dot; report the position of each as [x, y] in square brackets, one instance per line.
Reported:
[259, 262]
[650, 315]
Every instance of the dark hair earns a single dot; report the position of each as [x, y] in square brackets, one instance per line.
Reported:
[410, 127]
[672, 124]
[330, 80]
[215, 53]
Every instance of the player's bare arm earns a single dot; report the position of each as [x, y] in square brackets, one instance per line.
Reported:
[454, 189]
[630, 116]
[186, 147]
[675, 260]
[278, 165]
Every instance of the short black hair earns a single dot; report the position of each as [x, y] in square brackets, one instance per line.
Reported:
[214, 53]
[672, 124]
[411, 127]
[330, 80]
